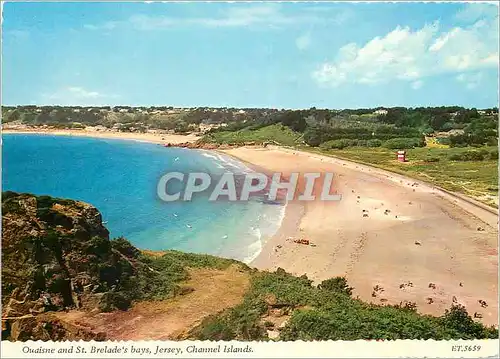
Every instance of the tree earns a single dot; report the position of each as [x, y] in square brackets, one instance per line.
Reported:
[295, 120]
[439, 120]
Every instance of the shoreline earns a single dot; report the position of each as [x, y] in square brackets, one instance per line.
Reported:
[288, 216]
[155, 138]
[161, 139]
[429, 237]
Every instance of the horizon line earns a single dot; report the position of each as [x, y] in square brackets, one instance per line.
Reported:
[254, 107]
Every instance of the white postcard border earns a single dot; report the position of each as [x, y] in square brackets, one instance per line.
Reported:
[234, 349]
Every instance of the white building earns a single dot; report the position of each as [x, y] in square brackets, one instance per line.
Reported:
[380, 112]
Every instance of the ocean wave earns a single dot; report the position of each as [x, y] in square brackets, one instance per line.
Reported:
[254, 250]
[263, 233]
[226, 162]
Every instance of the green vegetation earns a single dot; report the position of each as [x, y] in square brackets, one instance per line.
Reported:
[316, 135]
[401, 142]
[277, 133]
[337, 284]
[328, 312]
[469, 167]
[478, 132]
[340, 144]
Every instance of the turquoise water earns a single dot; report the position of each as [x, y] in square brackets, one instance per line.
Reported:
[120, 178]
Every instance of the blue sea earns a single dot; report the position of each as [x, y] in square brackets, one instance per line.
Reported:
[120, 178]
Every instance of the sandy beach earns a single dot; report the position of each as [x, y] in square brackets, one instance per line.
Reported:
[408, 240]
[147, 137]
[394, 238]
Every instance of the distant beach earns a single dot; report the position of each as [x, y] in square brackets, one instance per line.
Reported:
[160, 138]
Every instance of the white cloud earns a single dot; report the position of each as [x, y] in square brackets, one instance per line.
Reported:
[404, 54]
[471, 80]
[303, 41]
[417, 84]
[75, 95]
[236, 15]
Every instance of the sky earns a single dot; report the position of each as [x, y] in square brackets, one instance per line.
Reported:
[262, 54]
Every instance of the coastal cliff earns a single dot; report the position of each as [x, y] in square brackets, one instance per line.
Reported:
[56, 254]
[64, 279]
[57, 258]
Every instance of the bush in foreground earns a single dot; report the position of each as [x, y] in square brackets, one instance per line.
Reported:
[328, 312]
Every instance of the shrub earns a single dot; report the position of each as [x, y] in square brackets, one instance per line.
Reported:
[373, 143]
[472, 155]
[404, 143]
[457, 319]
[124, 247]
[493, 155]
[268, 324]
[8, 194]
[443, 140]
[345, 142]
[337, 284]
[214, 328]
[335, 144]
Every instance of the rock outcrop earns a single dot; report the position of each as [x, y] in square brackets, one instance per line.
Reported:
[56, 255]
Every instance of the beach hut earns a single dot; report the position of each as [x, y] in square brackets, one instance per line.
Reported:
[401, 156]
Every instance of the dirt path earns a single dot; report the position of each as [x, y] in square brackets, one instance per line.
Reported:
[214, 291]
[416, 242]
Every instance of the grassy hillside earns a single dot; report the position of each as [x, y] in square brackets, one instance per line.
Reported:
[272, 133]
[60, 270]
